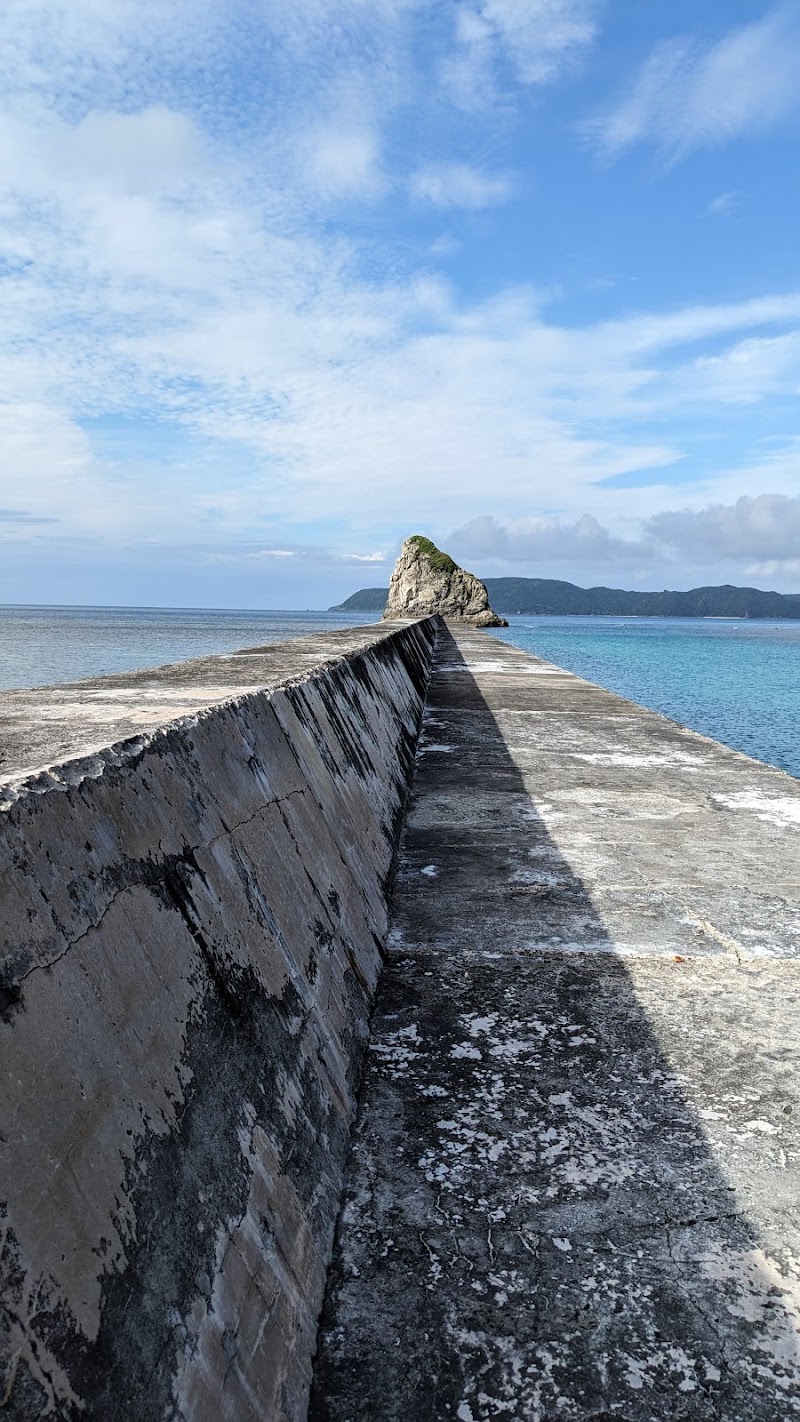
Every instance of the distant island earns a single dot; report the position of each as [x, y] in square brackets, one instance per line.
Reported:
[551, 596]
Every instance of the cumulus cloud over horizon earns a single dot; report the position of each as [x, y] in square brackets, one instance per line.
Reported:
[584, 540]
[764, 527]
[761, 534]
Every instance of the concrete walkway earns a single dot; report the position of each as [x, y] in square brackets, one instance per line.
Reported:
[574, 1180]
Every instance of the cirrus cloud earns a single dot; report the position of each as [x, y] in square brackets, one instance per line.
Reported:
[691, 95]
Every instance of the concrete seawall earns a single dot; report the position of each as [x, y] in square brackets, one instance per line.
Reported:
[194, 865]
[570, 1189]
[574, 1180]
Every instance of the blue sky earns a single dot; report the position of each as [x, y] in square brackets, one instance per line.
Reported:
[283, 283]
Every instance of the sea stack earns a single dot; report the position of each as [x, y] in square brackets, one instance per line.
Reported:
[426, 581]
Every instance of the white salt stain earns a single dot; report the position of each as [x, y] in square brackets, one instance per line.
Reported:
[641, 1372]
[638, 1375]
[780, 810]
[398, 1048]
[563, 1244]
[509, 1051]
[430, 870]
[634, 761]
[465, 1050]
[682, 1363]
[761, 1294]
[765, 1127]
[501, 668]
[478, 1026]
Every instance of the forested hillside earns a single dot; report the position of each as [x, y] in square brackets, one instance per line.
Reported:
[549, 595]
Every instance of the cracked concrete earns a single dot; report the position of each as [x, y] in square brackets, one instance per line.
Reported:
[189, 946]
[572, 1189]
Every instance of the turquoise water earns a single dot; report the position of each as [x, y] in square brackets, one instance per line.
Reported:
[41, 645]
[737, 681]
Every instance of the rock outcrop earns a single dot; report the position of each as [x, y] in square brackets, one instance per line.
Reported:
[426, 581]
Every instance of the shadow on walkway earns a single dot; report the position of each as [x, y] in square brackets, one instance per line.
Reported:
[535, 1226]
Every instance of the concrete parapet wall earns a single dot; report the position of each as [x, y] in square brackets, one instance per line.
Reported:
[191, 938]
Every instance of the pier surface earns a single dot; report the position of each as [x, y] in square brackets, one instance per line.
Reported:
[574, 1178]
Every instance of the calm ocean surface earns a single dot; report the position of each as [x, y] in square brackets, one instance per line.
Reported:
[738, 682]
[41, 645]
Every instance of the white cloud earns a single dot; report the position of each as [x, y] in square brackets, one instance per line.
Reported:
[688, 325]
[444, 246]
[447, 185]
[532, 40]
[724, 204]
[537, 540]
[541, 36]
[761, 534]
[345, 163]
[774, 568]
[158, 265]
[765, 528]
[145, 151]
[745, 374]
[689, 95]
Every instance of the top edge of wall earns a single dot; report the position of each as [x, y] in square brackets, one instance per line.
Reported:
[53, 737]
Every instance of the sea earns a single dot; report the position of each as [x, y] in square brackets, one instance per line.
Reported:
[736, 680]
[43, 645]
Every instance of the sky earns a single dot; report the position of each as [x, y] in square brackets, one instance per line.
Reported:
[282, 283]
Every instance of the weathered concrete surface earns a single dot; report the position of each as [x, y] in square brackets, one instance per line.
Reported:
[190, 941]
[574, 1179]
[46, 725]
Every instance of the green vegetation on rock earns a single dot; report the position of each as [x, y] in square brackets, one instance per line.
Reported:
[442, 562]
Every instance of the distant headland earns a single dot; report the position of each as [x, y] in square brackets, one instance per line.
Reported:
[551, 596]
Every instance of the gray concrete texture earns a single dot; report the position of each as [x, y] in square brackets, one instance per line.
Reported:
[573, 1185]
[194, 904]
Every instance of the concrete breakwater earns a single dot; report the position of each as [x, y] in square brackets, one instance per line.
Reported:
[194, 864]
[571, 1188]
